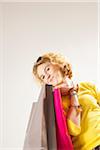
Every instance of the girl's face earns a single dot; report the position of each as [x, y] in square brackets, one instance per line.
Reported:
[50, 73]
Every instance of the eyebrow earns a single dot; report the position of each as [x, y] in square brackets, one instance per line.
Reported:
[44, 69]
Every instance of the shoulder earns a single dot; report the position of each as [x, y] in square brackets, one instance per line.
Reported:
[87, 93]
[86, 85]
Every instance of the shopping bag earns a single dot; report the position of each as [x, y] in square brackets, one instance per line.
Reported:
[50, 119]
[36, 136]
[41, 132]
[63, 138]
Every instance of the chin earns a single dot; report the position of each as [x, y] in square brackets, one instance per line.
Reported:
[56, 83]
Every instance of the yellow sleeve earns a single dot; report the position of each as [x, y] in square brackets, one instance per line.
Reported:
[74, 130]
[93, 90]
[98, 95]
[97, 91]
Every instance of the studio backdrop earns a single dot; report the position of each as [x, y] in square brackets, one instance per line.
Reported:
[28, 30]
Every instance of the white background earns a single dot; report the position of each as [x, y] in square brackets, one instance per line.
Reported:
[28, 30]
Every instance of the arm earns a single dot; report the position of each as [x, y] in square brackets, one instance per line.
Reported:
[74, 113]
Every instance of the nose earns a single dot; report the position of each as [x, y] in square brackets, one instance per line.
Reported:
[48, 77]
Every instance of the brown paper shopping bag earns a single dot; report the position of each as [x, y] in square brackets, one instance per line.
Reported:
[50, 119]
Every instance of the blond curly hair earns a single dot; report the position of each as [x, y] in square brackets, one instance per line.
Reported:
[55, 58]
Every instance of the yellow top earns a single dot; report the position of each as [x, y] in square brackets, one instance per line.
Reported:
[87, 136]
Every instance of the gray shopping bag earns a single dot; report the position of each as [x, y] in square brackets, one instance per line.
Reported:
[36, 137]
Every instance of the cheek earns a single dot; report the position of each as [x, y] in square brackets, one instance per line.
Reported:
[52, 70]
[45, 81]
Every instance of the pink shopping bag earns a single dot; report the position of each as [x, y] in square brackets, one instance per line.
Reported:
[63, 138]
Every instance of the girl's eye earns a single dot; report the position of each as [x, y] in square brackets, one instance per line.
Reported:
[43, 77]
[48, 69]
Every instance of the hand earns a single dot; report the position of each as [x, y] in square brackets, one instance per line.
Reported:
[66, 86]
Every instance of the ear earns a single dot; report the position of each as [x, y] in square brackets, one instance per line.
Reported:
[69, 71]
